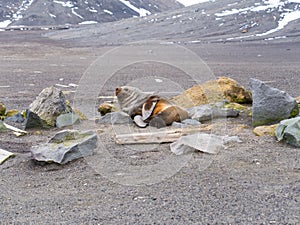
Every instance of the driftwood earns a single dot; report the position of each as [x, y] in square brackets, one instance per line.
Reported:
[18, 132]
[165, 136]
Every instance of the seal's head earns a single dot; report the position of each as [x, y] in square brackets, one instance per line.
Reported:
[130, 98]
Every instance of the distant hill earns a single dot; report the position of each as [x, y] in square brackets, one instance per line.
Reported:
[61, 12]
[120, 21]
[212, 21]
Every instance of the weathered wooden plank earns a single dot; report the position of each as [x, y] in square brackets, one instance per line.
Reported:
[165, 136]
[17, 131]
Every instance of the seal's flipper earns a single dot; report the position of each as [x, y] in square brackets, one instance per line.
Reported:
[148, 108]
[139, 121]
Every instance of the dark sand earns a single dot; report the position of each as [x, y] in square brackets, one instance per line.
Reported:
[254, 182]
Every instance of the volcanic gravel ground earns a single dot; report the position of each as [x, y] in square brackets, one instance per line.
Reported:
[253, 182]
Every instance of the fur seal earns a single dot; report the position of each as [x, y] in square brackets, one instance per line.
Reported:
[149, 109]
[131, 99]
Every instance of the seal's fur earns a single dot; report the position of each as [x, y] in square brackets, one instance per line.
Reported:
[148, 108]
[131, 100]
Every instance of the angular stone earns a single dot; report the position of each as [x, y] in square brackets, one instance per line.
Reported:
[16, 118]
[186, 123]
[2, 109]
[11, 112]
[289, 130]
[4, 155]
[270, 105]
[34, 121]
[235, 106]
[207, 143]
[115, 118]
[106, 107]
[265, 130]
[213, 91]
[2, 127]
[66, 146]
[67, 119]
[210, 112]
[49, 105]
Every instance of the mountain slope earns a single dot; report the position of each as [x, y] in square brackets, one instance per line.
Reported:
[61, 12]
[218, 21]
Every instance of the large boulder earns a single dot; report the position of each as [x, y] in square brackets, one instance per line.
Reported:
[213, 91]
[50, 104]
[65, 146]
[289, 130]
[270, 105]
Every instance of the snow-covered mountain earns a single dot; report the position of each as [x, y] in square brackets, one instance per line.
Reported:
[211, 21]
[61, 12]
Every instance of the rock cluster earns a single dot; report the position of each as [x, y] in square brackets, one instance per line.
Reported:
[214, 99]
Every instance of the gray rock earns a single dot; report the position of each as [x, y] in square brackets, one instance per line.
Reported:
[186, 123]
[2, 127]
[270, 105]
[66, 146]
[210, 112]
[49, 105]
[34, 121]
[207, 143]
[17, 118]
[67, 119]
[4, 155]
[2, 109]
[115, 118]
[289, 130]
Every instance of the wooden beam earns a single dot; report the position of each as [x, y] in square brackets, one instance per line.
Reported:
[165, 136]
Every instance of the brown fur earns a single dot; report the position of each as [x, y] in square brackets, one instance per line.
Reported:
[165, 112]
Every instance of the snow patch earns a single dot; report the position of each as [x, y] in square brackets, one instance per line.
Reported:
[177, 16]
[88, 22]
[52, 15]
[142, 12]
[93, 10]
[76, 14]
[191, 2]
[108, 12]
[68, 4]
[5, 23]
